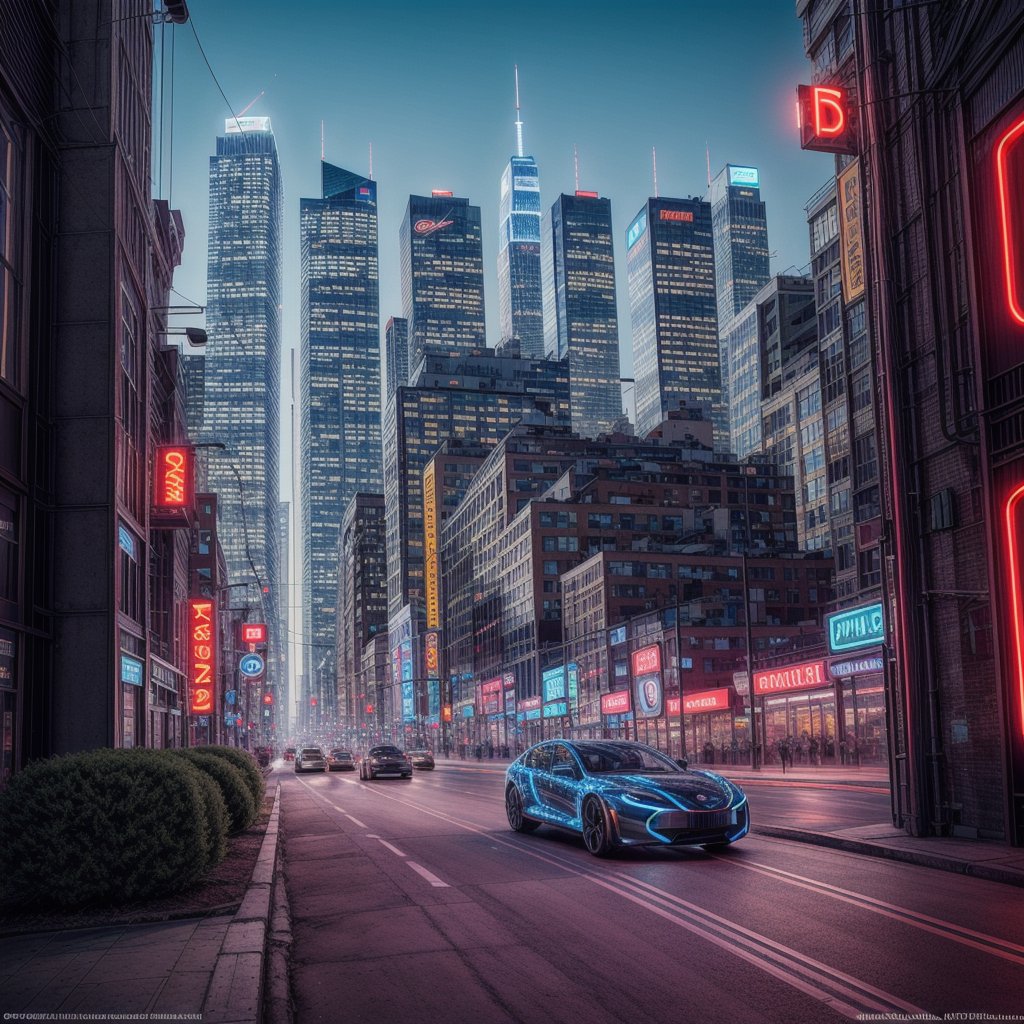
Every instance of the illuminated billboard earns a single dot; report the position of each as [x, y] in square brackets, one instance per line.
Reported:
[238, 125]
[854, 628]
[851, 232]
[173, 483]
[636, 229]
[826, 119]
[202, 648]
[743, 176]
[432, 582]
[808, 675]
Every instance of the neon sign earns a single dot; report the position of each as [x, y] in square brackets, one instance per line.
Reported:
[1010, 209]
[807, 675]
[825, 120]
[685, 215]
[254, 633]
[647, 659]
[173, 477]
[202, 645]
[1013, 559]
[854, 628]
[428, 227]
[616, 703]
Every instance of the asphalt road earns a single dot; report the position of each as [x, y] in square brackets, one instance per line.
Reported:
[413, 901]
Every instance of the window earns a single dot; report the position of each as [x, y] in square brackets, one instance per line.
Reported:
[870, 568]
[8, 546]
[10, 286]
[942, 510]
[865, 460]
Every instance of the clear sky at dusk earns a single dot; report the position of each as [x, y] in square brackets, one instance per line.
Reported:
[431, 87]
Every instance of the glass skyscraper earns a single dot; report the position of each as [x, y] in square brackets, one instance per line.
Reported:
[580, 318]
[340, 398]
[396, 353]
[519, 289]
[740, 227]
[442, 275]
[241, 389]
[671, 264]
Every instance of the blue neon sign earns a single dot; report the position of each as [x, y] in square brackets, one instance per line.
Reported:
[853, 628]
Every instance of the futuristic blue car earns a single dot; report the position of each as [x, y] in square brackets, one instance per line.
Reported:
[617, 793]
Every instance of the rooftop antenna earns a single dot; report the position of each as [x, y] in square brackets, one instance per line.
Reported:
[576, 164]
[321, 139]
[251, 103]
[371, 161]
[654, 164]
[519, 123]
[707, 154]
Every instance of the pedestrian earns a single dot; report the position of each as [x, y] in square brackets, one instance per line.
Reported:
[814, 750]
[479, 752]
[785, 753]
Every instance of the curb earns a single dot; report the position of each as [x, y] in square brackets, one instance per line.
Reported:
[921, 858]
[235, 995]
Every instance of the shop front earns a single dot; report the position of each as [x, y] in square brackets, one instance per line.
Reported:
[712, 737]
[799, 714]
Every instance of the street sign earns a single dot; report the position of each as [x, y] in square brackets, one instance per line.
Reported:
[230, 697]
[251, 665]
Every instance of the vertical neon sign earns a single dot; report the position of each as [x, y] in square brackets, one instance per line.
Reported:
[1013, 560]
[1010, 191]
[202, 645]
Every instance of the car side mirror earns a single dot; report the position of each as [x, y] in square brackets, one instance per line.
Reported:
[683, 763]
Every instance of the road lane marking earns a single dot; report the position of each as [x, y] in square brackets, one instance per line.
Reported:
[431, 878]
[355, 821]
[844, 993]
[936, 926]
[394, 849]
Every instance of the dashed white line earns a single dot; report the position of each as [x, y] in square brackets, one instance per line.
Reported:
[431, 878]
[355, 821]
[393, 849]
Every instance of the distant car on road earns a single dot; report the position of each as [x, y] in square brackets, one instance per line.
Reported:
[617, 793]
[385, 760]
[341, 761]
[310, 759]
[420, 758]
[289, 753]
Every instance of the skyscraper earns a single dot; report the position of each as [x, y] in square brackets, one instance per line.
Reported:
[340, 397]
[580, 319]
[442, 275]
[396, 353]
[242, 364]
[519, 287]
[672, 306]
[740, 228]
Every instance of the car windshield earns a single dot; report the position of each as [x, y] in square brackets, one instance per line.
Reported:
[601, 758]
[385, 752]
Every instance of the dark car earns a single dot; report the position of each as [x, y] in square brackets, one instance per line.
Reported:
[385, 761]
[618, 793]
[420, 758]
[310, 759]
[289, 753]
[341, 761]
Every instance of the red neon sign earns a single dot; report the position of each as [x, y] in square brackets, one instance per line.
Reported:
[616, 703]
[254, 633]
[428, 227]
[808, 675]
[1010, 210]
[202, 646]
[441, 192]
[268, 698]
[173, 477]
[825, 119]
[1013, 559]
[586, 195]
[647, 659]
[686, 215]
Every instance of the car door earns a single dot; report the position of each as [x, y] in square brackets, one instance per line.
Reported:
[565, 779]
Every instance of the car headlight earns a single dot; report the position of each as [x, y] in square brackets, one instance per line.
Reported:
[647, 799]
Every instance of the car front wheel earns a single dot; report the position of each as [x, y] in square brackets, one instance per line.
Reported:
[597, 832]
[517, 820]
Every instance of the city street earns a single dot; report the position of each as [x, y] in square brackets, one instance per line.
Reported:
[415, 899]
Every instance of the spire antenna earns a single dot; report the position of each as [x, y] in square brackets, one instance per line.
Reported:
[519, 122]
[654, 164]
[576, 164]
[321, 140]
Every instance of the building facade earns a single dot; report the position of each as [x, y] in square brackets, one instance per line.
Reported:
[442, 266]
[242, 375]
[340, 399]
[580, 317]
[520, 298]
[671, 263]
[396, 353]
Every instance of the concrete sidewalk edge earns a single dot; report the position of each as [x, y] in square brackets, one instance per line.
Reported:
[991, 873]
[235, 995]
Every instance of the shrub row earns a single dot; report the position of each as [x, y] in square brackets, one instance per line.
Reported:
[110, 826]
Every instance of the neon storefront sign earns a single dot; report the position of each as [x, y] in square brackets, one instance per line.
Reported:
[1010, 185]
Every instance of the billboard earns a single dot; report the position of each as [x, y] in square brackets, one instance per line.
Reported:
[616, 703]
[743, 176]
[808, 675]
[636, 229]
[554, 683]
[173, 484]
[254, 633]
[647, 680]
[431, 655]
[851, 232]
[237, 125]
[854, 628]
[432, 582]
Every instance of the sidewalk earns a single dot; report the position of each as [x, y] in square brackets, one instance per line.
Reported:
[211, 967]
[978, 858]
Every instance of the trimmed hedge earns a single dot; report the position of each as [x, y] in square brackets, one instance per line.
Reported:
[103, 826]
[238, 799]
[216, 818]
[245, 763]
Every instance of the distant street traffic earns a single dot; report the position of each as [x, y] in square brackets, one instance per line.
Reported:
[414, 900]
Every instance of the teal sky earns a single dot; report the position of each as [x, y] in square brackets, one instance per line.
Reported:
[431, 87]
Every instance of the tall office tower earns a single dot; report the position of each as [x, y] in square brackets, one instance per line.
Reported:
[396, 354]
[340, 399]
[671, 264]
[442, 275]
[477, 395]
[740, 228]
[241, 390]
[580, 318]
[280, 709]
[519, 289]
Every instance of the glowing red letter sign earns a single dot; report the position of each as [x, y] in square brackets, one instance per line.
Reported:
[202, 646]
[647, 659]
[254, 633]
[1010, 183]
[428, 227]
[173, 477]
[825, 119]
[1013, 561]
[808, 675]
